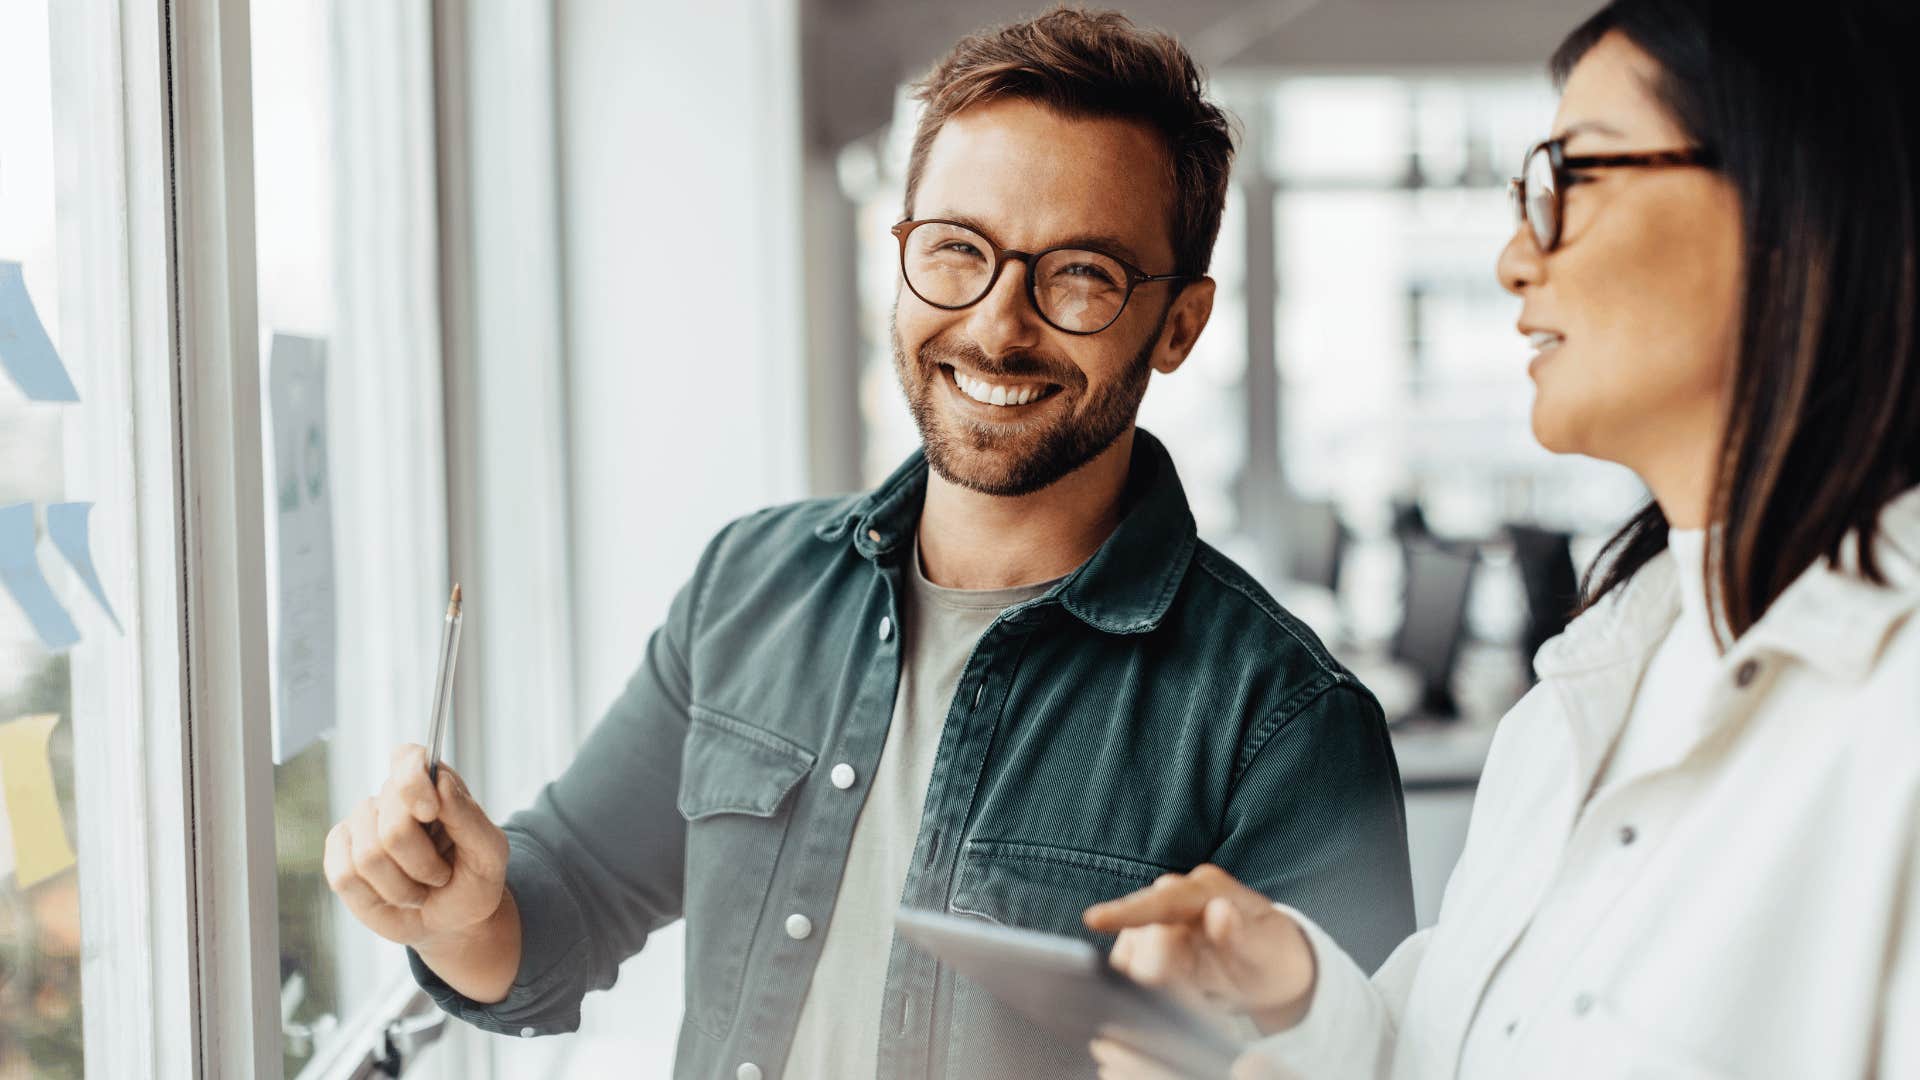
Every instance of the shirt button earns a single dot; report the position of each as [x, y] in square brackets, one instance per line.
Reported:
[1628, 834]
[1583, 1005]
[526, 1033]
[1748, 671]
[799, 927]
[886, 627]
[842, 776]
[747, 1071]
[1512, 1026]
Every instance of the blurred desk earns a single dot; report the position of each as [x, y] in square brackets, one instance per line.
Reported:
[1440, 755]
[1440, 763]
[1440, 760]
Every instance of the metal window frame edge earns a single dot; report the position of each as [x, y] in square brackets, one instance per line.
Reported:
[234, 983]
[110, 104]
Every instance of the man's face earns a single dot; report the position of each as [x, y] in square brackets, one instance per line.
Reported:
[1029, 178]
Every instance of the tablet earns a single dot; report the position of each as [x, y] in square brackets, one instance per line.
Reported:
[1066, 986]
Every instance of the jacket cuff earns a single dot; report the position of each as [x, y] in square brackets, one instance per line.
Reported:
[545, 996]
[1345, 1031]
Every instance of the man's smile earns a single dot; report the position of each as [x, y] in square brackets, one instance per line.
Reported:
[999, 392]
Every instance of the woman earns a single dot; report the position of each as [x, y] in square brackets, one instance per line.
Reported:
[1696, 847]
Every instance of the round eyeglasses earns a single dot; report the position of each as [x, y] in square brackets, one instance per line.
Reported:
[1539, 192]
[1076, 290]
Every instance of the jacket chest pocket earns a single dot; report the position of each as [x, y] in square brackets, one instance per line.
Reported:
[1036, 887]
[734, 783]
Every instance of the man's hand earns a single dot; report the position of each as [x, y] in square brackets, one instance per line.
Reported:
[1204, 935]
[409, 883]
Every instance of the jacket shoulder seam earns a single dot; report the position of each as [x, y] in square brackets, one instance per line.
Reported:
[1207, 558]
[1282, 717]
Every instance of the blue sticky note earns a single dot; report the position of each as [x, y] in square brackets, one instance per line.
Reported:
[20, 573]
[25, 349]
[67, 527]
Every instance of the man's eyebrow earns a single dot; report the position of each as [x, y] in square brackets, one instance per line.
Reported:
[1103, 242]
[1112, 245]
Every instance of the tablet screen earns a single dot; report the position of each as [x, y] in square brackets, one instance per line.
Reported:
[1065, 985]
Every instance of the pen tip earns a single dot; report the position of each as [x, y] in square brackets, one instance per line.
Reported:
[453, 605]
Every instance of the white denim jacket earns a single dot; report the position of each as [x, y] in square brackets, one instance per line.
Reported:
[1755, 898]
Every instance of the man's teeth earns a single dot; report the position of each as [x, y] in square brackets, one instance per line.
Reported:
[1543, 339]
[990, 394]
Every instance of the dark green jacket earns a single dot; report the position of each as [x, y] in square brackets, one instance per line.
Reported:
[1153, 711]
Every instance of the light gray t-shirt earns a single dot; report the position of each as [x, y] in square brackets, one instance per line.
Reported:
[839, 1033]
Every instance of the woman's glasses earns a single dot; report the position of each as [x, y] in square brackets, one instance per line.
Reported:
[1539, 192]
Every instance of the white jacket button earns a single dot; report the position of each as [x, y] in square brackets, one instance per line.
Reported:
[747, 1071]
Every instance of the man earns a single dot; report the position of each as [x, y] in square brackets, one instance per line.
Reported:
[1008, 683]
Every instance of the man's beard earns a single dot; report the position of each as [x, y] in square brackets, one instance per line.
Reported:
[1016, 459]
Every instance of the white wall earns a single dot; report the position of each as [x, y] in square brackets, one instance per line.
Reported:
[681, 214]
[680, 208]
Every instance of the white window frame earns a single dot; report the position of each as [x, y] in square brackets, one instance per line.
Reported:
[139, 976]
[154, 102]
[155, 176]
[153, 99]
[234, 980]
[504, 351]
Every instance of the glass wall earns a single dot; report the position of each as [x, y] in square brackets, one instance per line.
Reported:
[43, 611]
[353, 461]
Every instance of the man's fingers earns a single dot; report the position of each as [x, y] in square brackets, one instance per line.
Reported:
[479, 844]
[362, 902]
[371, 860]
[336, 860]
[408, 778]
[407, 843]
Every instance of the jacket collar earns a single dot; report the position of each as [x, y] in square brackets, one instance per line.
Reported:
[1837, 620]
[1125, 588]
[1830, 617]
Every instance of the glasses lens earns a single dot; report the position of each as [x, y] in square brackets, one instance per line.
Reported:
[947, 265]
[1541, 201]
[1081, 291]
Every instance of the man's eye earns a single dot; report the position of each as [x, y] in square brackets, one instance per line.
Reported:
[1087, 272]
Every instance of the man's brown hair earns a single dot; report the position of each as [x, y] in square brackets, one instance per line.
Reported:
[1097, 64]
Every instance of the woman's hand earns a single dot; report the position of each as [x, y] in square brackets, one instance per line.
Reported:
[1206, 935]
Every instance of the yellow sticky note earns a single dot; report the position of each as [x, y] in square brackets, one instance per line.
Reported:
[40, 848]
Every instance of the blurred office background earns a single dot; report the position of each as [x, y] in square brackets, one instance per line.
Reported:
[595, 276]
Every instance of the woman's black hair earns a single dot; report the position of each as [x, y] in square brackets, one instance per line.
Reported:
[1811, 114]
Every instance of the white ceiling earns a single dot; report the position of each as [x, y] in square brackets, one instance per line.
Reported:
[856, 51]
